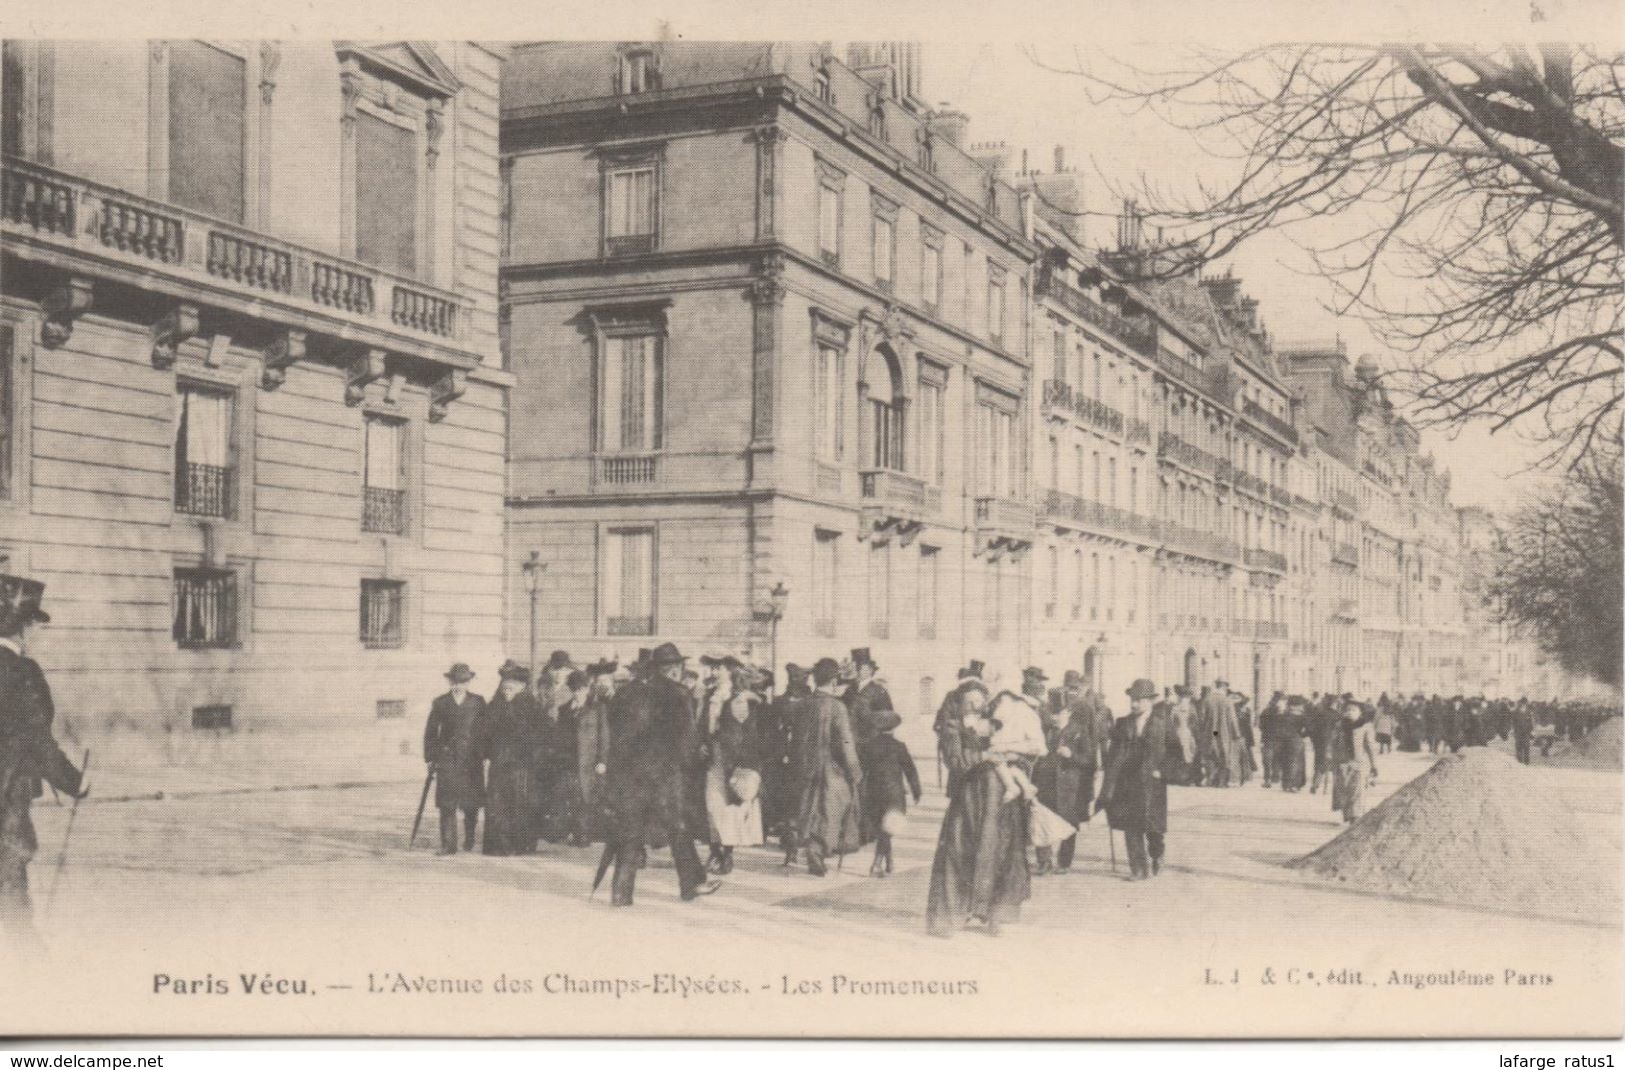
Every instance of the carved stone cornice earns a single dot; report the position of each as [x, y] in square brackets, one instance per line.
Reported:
[62, 306]
[367, 368]
[179, 324]
[270, 60]
[445, 390]
[287, 350]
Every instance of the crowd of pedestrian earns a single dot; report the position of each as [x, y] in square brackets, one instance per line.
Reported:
[665, 754]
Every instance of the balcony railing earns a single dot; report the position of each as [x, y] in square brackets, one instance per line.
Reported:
[43, 207]
[1004, 515]
[1140, 335]
[628, 471]
[1267, 560]
[1261, 416]
[1062, 399]
[1214, 379]
[1345, 500]
[1139, 431]
[1194, 542]
[1071, 510]
[629, 625]
[882, 486]
[1171, 447]
[1346, 553]
[383, 510]
[203, 490]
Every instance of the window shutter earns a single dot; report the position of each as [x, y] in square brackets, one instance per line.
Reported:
[386, 192]
[207, 102]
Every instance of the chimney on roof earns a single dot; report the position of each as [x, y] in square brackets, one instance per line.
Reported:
[994, 156]
[949, 124]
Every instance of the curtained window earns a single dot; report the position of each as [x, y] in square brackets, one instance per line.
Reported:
[632, 394]
[830, 414]
[203, 452]
[384, 507]
[929, 560]
[825, 581]
[631, 208]
[382, 605]
[628, 581]
[7, 409]
[205, 608]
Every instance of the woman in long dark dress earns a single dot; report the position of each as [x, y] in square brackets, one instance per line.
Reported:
[513, 744]
[980, 869]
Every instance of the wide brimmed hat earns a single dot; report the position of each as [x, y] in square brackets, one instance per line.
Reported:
[973, 671]
[666, 654]
[460, 673]
[1033, 672]
[1142, 688]
[796, 672]
[559, 659]
[1071, 678]
[20, 601]
[603, 667]
[512, 670]
[576, 679]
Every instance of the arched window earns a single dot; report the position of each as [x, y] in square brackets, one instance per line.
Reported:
[884, 386]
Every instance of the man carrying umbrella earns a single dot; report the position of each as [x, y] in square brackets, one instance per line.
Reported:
[654, 746]
[453, 749]
[28, 754]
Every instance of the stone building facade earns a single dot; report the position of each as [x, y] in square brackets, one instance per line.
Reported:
[768, 321]
[253, 417]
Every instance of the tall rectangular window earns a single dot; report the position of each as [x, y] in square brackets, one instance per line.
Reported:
[384, 492]
[8, 406]
[386, 193]
[1054, 591]
[382, 603]
[927, 609]
[996, 442]
[628, 582]
[1111, 587]
[829, 402]
[207, 111]
[879, 589]
[1134, 488]
[994, 605]
[885, 249]
[825, 581]
[1077, 584]
[204, 483]
[931, 273]
[933, 411]
[631, 208]
[632, 378]
[1078, 469]
[205, 608]
[995, 305]
[829, 223]
[1111, 480]
[1094, 586]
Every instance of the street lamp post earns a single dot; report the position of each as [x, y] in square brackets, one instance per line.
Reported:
[1100, 664]
[533, 570]
[778, 601]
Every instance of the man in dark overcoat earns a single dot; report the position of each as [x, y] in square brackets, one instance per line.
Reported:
[513, 745]
[1523, 729]
[1076, 751]
[654, 749]
[828, 771]
[452, 748]
[1134, 793]
[870, 707]
[28, 755]
[778, 737]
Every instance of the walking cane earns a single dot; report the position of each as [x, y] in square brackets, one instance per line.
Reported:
[62, 859]
[1111, 842]
[423, 801]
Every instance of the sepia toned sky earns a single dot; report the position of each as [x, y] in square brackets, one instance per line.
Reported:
[1012, 99]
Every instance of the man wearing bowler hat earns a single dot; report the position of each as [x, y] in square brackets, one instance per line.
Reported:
[1134, 792]
[654, 747]
[452, 747]
[28, 754]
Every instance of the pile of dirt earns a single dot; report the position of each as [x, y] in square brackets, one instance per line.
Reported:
[1603, 748]
[1480, 829]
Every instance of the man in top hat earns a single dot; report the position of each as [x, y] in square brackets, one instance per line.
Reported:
[453, 747]
[552, 687]
[870, 707]
[973, 671]
[514, 739]
[1134, 792]
[28, 754]
[654, 747]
